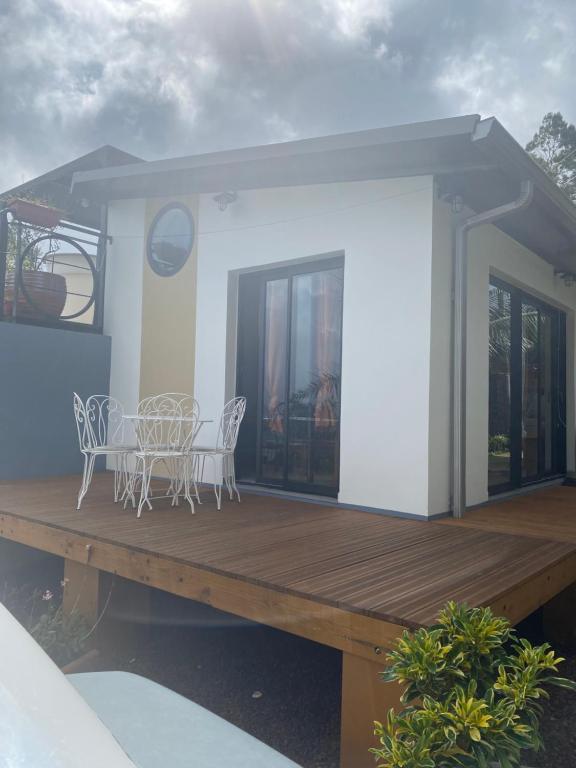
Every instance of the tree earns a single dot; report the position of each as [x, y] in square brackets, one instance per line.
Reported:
[554, 149]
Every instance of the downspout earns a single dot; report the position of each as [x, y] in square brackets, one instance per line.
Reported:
[459, 358]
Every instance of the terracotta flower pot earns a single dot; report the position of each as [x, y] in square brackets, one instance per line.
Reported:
[42, 297]
[35, 213]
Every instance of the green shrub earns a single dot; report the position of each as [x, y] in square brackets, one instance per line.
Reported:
[472, 692]
[63, 636]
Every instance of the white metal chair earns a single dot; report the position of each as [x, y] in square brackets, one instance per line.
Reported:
[170, 402]
[222, 454]
[177, 403]
[100, 427]
[189, 406]
[164, 435]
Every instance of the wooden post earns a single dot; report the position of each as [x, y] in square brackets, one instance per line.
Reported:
[365, 698]
[81, 589]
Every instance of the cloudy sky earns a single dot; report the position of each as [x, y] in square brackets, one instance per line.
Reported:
[162, 78]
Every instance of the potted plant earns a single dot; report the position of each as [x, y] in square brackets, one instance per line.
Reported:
[35, 213]
[472, 691]
[41, 293]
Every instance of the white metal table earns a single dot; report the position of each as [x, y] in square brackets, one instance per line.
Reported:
[176, 483]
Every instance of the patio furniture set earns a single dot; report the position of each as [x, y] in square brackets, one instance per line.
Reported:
[165, 429]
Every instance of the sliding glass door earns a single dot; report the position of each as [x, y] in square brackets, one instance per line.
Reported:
[289, 354]
[500, 388]
[527, 375]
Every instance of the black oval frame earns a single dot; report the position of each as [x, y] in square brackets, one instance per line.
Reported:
[155, 220]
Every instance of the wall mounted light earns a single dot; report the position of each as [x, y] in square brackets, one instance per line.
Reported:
[224, 199]
[457, 203]
[454, 200]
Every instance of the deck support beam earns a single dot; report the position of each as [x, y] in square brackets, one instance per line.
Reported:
[365, 698]
[81, 587]
[350, 632]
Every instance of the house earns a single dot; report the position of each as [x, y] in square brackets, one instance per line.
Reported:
[320, 284]
[396, 304]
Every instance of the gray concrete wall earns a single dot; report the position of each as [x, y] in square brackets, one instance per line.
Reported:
[40, 368]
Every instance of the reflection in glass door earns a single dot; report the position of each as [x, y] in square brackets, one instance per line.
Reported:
[530, 391]
[292, 381]
[526, 389]
[275, 365]
[500, 387]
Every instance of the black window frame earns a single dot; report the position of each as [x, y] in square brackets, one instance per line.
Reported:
[259, 278]
[162, 212]
[517, 297]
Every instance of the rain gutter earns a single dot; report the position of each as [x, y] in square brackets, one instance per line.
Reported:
[459, 356]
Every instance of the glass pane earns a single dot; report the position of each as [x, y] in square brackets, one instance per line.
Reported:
[273, 429]
[170, 240]
[500, 333]
[547, 363]
[530, 384]
[315, 353]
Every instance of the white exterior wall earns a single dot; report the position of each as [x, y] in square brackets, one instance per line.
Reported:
[384, 229]
[439, 436]
[490, 251]
[396, 373]
[123, 298]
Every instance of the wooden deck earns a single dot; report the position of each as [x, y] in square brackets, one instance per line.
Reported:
[545, 513]
[392, 570]
[348, 579]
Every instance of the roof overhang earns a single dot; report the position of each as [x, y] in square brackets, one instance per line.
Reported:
[54, 187]
[475, 158]
[397, 151]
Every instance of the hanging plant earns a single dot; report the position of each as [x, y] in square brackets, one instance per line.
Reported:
[35, 213]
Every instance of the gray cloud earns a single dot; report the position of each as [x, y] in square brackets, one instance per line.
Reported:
[169, 77]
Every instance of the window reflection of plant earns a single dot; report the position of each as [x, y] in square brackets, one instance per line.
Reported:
[498, 444]
[500, 324]
[500, 343]
[322, 393]
[499, 340]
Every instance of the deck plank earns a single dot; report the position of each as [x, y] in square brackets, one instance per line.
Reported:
[394, 570]
[544, 513]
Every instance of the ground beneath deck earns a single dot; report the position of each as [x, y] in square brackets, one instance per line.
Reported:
[512, 556]
[286, 690]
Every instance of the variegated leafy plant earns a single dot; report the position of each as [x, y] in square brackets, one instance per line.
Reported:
[472, 691]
